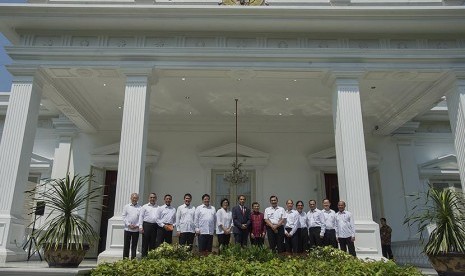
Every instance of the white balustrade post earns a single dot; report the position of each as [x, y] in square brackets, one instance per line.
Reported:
[15, 158]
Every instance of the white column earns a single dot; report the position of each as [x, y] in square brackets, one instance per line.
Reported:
[456, 106]
[15, 157]
[352, 168]
[131, 166]
[63, 158]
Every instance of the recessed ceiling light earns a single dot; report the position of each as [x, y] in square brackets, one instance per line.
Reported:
[183, 79]
[104, 84]
[187, 97]
[120, 107]
[287, 99]
[280, 114]
[41, 104]
[295, 80]
[190, 112]
[238, 79]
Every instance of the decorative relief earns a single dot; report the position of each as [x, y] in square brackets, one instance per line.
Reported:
[364, 44]
[121, 42]
[84, 41]
[47, 41]
[201, 42]
[403, 44]
[325, 43]
[160, 42]
[282, 43]
[244, 2]
[442, 44]
[241, 42]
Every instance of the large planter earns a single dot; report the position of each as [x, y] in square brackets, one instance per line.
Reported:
[448, 264]
[64, 257]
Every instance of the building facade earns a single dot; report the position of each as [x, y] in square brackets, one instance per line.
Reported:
[355, 100]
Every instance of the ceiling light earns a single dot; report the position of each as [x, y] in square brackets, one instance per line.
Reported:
[287, 99]
[183, 79]
[190, 112]
[120, 107]
[104, 84]
[280, 114]
[187, 97]
[295, 80]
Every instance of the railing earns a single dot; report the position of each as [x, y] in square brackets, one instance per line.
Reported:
[409, 252]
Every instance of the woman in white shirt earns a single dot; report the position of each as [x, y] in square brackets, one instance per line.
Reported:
[224, 223]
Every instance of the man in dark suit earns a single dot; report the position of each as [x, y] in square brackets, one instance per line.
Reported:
[241, 220]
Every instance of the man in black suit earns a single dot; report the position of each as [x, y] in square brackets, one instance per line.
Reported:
[241, 220]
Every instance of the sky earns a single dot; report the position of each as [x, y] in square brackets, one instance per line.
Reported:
[5, 77]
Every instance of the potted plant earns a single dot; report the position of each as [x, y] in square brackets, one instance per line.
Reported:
[444, 210]
[65, 236]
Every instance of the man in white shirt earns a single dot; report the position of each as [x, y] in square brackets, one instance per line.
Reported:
[275, 219]
[330, 225]
[131, 226]
[292, 228]
[316, 225]
[345, 229]
[204, 220]
[148, 224]
[166, 220]
[185, 228]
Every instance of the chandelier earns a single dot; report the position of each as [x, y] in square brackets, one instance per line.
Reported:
[236, 176]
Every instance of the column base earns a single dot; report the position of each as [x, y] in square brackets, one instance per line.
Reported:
[115, 241]
[367, 240]
[11, 238]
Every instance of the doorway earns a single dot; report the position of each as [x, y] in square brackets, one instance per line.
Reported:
[332, 189]
[109, 194]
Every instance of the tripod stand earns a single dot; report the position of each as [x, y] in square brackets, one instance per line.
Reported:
[32, 241]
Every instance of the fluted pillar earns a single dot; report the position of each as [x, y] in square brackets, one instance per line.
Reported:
[352, 168]
[456, 107]
[15, 158]
[131, 165]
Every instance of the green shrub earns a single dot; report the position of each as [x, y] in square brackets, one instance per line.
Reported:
[253, 261]
[168, 251]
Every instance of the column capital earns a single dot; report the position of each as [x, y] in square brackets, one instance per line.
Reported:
[343, 78]
[64, 127]
[148, 75]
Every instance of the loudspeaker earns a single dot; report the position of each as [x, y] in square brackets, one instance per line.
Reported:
[40, 208]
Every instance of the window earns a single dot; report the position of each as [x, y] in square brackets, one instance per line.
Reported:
[222, 189]
[447, 184]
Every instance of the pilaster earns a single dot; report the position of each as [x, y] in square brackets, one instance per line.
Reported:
[131, 165]
[352, 167]
[63, 159]
[456, 108]
[15, 157]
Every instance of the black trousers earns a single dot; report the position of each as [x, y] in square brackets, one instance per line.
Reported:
[314, 237]
[149, 237]
[205, 243]
[345, 243]
[387, 251]
[276, 240]
[223, 239]
[241, 237]
[163, 235]
[330, 238]
[292, 243]
[257, 241]
[187, 238]
[303, 240]
[130, 240]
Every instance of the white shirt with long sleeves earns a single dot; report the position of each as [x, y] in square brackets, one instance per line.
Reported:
[345, 226]
[292, 221]
[330, 219]
[204, 219]
[223, 219]
[148, 213]
[316, 219]
[303, 220]
[131, 216]
[275, 214]
[185, 219]
[166, 215]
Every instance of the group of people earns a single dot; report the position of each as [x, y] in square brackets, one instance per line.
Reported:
[288, 229]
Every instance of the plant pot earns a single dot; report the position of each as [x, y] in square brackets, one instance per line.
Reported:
[65, 257]
[448, 264]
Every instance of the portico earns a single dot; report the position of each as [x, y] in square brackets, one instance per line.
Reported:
[166, 83]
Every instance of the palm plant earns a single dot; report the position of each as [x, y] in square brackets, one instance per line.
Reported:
[65, 199]
[446, 210]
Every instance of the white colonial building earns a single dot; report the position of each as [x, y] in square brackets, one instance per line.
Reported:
[342, 99]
